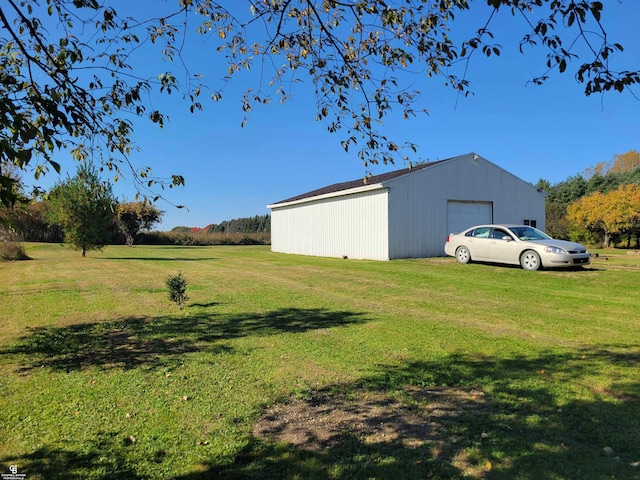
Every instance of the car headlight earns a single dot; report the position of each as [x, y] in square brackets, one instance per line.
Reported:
[554, 250]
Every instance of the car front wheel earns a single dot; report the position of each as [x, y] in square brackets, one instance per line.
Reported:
[530, 260]
[463, 255]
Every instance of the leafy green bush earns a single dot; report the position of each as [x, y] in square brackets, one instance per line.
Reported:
[249, 240]
[12, 251]
[177, 286]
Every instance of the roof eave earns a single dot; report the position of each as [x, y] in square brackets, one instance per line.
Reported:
[341, 193]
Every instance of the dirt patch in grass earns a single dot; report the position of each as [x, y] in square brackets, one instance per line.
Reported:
[423, 418]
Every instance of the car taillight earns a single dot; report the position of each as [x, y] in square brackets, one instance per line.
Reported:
[447, 238]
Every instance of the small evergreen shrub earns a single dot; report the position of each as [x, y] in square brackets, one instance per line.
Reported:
[177, 286]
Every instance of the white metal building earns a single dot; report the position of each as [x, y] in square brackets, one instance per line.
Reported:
[403, 214]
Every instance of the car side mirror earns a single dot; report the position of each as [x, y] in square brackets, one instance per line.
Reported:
[507, 238]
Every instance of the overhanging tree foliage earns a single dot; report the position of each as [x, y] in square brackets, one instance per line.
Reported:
[66, 81]
[84, 207]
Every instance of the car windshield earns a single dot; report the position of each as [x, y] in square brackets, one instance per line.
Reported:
[529, 233]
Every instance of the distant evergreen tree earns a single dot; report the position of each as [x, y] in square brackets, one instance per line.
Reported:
[83, 206]
[573, 188]
[257, 224]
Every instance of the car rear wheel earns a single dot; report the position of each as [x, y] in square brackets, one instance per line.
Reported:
[463, 255]
[530, 260]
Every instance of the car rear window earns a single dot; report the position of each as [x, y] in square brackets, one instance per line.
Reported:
[482, 232]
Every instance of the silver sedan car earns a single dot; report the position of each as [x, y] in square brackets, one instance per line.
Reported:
[516, 245]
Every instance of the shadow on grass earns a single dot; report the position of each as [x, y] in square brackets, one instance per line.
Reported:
[457, 417]
[204, 305]
[105, 458]
[162, 259]
[460, 416]
[159, 342]
[507, 266]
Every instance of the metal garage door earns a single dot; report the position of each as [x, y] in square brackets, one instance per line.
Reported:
[462, 215]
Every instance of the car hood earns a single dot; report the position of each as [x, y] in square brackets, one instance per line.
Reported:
[568, 246]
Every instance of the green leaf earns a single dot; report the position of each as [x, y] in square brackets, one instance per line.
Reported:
[56, 166]
[562, 66]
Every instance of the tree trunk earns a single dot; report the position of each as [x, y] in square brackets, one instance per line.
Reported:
[607, 240]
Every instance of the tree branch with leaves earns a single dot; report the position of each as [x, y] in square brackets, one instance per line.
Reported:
[67, 82]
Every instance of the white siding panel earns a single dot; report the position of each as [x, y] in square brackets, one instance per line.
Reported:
[354, 226]
[414, 214]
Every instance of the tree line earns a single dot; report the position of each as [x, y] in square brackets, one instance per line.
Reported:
[81, 211]
[255, 224]
[600, 206]
[254, 230]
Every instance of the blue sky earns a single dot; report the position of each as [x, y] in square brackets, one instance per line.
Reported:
[551, 131]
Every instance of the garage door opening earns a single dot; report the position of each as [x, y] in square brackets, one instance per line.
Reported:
[462, 215]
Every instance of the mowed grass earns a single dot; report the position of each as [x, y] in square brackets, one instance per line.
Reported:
[103, 377]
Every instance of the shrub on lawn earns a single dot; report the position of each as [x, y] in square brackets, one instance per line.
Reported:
[177, 286]
[12, 251]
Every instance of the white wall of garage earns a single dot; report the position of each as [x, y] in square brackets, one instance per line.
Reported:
[407, 216]
[352, 226]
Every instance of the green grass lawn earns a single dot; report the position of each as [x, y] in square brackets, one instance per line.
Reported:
[104, 378]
